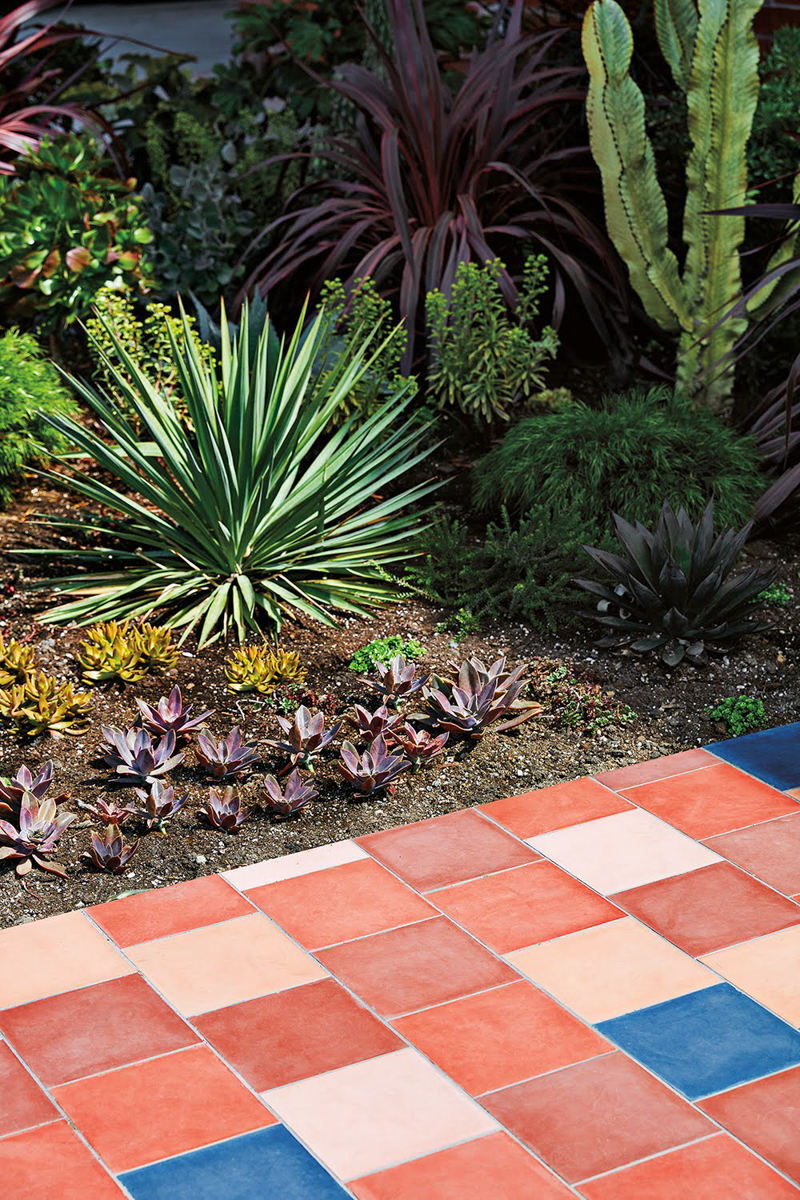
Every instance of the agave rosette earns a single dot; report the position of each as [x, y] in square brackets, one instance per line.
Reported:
[306, 736]
[396, 681]
[136, 758]
[295, 795]
[40, 825]
[227, 757]
[25, 783]
[225, 810]
[110, 852]
[374, 769]
[159, 805]
[170, 713]
[478, 697]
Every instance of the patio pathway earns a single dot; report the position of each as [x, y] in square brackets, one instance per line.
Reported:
[591, 990]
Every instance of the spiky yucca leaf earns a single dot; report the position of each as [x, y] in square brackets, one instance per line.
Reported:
[258, 511]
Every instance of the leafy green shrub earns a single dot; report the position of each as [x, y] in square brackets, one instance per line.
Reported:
[462, 624]
[625, 457]
[481, 360]
[523, 572]
[777, 595]
[739, 713]
[69, 228]
[381, 651]
[772, 151]
[29, 386]
[252, 511]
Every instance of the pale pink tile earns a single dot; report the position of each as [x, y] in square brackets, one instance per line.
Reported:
[611, 969]
[42, 958]
[223, 964]
[767, 968]
[624, 851]
[289, 866]
[367, 1116]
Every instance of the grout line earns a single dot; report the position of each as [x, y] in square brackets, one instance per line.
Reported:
[495, 987]
[612, 1049]
[434, 915]
[651, 1157]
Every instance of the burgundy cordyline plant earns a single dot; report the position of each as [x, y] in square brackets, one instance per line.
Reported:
[417, 745]
[23, 783]
[372, 770]
[136, 758]
[110, 852]
[170, 714]
[227, 757]
[159, 805]
[397, 681]
[40, 825]
[306, 736]
[225, 810]
[295, 796]
[431, 178]
[371, 724]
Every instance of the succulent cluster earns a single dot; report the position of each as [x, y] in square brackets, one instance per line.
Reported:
[227, 757]
[397, 681]
[122, 650]
[294, 796]
[13, 791]
[477, 697]
[43, 705]
[110, 852]
[17, 662]
[372, 724]
[418, 745]
[672, 589]
[575, 700]
[372, 770]
[171, 715]
[159, 805]
[136, 758]
[263, 669]
[306, 737]
[225, 810]
[31, 822]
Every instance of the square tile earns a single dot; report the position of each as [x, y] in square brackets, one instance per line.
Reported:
[611, 969]
[379, 1112]
[152, 1110]
[706, 1041]
[415, 966]
[623, 851]
[494, 1166]
[340, 904]
[224, 964]
[765, 1115]
[656, 768]
[768, 969]
[570, 803]
[488, 1041]
[529, 904]
[708, 1170]
[289, 866]
[55, 955]
[93, 1029]
[23, 1104]
[712, 800]
[771, 754]
[770, 850]
[710, 908]
[52, 1161]
[598, 1115]
[164, 911]
[238, 1169]
[445, 850]
[291, 1035]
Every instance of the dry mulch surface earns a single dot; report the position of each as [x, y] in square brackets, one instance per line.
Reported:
[670, 707]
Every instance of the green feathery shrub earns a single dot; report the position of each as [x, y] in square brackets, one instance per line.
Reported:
[627, 457]
[29, 385]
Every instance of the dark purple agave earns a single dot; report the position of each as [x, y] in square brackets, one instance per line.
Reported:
[171, 714]
[12, 793]
[226, 758]
[40, 827]
[225, 810]
[372, 770]
[110, 852]
[136, 758]
[296, 795]
[306, 736]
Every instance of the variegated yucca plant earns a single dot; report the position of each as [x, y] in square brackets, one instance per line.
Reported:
[712, 54]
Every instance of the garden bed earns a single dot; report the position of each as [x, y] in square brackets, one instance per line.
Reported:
[671, 708]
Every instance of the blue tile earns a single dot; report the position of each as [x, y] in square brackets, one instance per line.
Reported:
[772, 755]
[707, 1041]
[269, 1164]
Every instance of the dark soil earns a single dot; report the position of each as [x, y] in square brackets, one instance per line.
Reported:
[670, 707]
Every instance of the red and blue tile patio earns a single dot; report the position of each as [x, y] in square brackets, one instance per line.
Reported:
[591, 990]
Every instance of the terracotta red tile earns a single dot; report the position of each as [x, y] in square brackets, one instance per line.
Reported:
[500, 1037]
[712, 800]
[22, 1101]
[94, 1029]
[169, 910]
[556, 807]
[765, 1115]
[341, 903]
[529, 904]
[708, 1170]
[707, 909]
[656, 768]
[596, 1116]
[160, 1108]
[492, 1166]
[448, 849]
[770, 850]
[294, 1034]
[416, 966]
[53, 1161]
